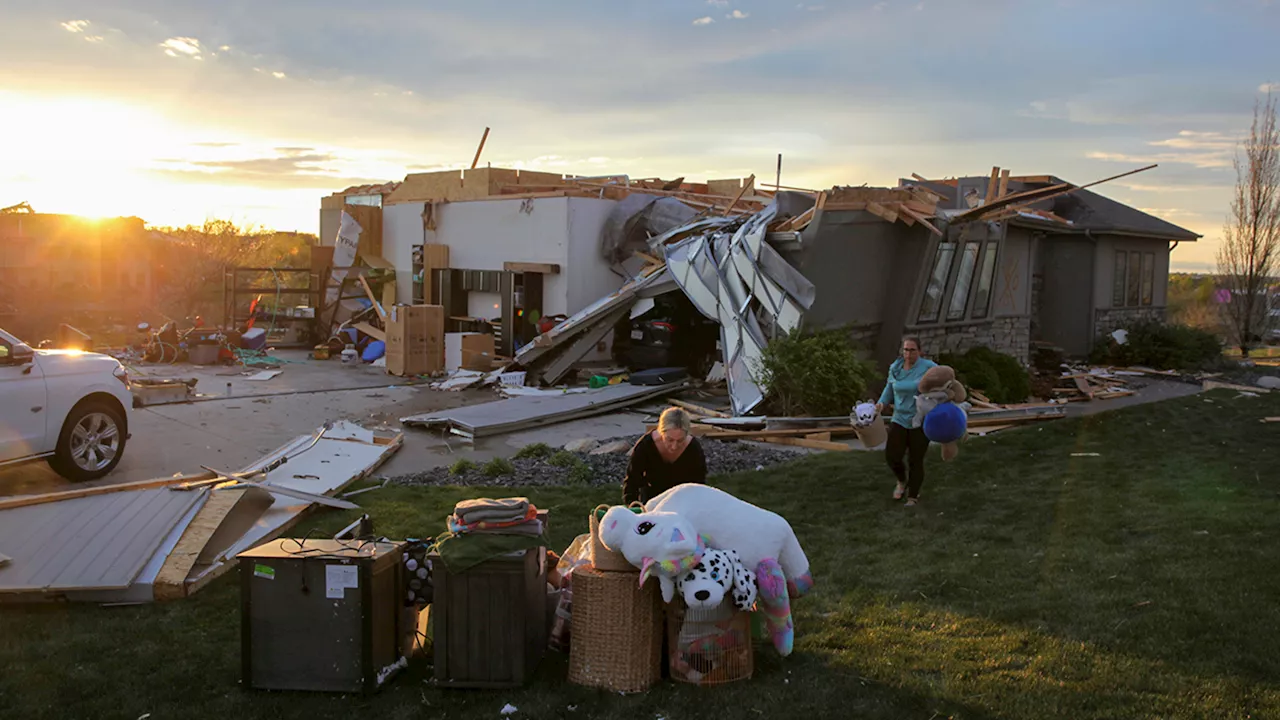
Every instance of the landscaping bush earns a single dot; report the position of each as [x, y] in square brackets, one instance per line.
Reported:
[818, 374]
[580, 475]
[1001, 378]
[534, 450]
[461, 467]
[499, 466]
[564, 459]
[1160, 346]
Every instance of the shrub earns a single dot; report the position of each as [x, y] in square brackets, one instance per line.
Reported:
[564, 459]
[580, 475]
[535, 450]
[1160, 346]
[499, 466]
[461, 467]
[998, 376]
[819, 374]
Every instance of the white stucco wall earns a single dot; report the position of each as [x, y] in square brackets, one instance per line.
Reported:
[401, 230]
[587, 273]
[482, 235]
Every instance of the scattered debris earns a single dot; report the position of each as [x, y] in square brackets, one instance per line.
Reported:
[606, 469]
[169, 537]
[582, 445]
[521, 413]
[263, 375]
[1216, 385]
[162, 391]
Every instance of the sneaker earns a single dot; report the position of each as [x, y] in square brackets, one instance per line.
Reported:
[899, 491]
[912, 502]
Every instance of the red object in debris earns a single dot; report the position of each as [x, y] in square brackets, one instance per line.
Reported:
[546, 325]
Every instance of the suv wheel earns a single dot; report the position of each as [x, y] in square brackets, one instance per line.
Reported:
[91, 443]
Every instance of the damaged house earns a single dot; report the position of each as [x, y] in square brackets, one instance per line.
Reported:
[1004, 262]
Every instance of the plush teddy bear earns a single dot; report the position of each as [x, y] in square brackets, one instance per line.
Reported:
[938, 409]
[673, 533]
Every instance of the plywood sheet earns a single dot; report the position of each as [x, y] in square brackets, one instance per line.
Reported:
[88, 543]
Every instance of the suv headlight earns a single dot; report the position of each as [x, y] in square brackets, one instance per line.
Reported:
[121, 373]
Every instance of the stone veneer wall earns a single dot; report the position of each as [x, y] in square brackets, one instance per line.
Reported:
[1109, 320]
[866, 337]
[1009, 335]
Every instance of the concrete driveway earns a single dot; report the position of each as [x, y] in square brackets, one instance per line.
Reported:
[227, 428]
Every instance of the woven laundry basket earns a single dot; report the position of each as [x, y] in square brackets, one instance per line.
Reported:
[616, 631]
[602, 558]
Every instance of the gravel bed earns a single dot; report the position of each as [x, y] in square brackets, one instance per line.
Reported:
[607, 469]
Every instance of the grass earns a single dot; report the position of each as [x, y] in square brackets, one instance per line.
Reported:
[1036, 580]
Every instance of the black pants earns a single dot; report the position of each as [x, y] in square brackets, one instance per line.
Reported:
[913, 444]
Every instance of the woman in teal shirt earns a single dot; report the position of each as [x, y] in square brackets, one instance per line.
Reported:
[900, 391]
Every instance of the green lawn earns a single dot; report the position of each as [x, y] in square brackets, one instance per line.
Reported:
[1035, 581]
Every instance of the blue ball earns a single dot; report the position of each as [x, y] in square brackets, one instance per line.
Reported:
[946, 423]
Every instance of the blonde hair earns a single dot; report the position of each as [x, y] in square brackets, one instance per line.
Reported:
[674, 418]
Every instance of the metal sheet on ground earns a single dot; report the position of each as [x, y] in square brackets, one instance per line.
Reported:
[502, 416]
[87, 543]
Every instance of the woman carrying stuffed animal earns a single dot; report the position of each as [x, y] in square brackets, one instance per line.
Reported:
[905, 436]
[664, 458]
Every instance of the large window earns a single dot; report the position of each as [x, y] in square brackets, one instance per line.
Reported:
[932, 303]
[986, 278]
[964, 281]
[1148, 277]
[1134, 282]
[1122, 272]
[961, 282]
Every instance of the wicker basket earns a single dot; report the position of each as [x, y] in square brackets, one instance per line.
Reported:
[616, 631]
[709, 646]
[602, 558]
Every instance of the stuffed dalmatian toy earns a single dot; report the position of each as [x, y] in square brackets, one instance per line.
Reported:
[720, 573]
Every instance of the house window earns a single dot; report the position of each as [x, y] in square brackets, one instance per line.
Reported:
[986, 275]
[964, 281]
[1134, 289]
[1117, 283]
[1148, 277]
[932, 303]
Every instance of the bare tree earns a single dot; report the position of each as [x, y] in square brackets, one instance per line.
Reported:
[1250, 249]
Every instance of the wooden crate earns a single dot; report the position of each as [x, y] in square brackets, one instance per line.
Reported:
[490, 621]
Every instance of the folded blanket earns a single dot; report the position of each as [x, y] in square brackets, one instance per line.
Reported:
[461, 525]
[463, 552]
[470, 511]
[528, 527]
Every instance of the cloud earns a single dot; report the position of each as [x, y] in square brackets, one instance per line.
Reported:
[175, 46]
[75, 26]
[703, 20]
[94, 38]
[278, 75]
[738, 15]
[718, 3]
[291, 167]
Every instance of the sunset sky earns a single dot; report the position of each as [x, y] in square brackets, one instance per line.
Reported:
[178, 110]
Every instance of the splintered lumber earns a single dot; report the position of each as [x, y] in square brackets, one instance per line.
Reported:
[371, 331]
[908, 211]
[820, 437]
[745, 187]
[988, 429]
[1216, 385]
[1083, 386]
[991, 186]
[1004, 183]
[1271, 420]
[28, 500]
[810, 444]
[699, 409]
[476, 160]
[368, 291]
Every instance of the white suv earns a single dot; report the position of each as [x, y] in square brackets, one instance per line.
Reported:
[66, 406]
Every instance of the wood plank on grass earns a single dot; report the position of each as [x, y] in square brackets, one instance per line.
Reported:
[811, 444]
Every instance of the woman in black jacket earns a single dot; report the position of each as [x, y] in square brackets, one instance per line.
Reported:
[664, 458]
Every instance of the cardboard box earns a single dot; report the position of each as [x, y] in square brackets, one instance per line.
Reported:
[415, 339]
[468, 351]
[477, 352]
